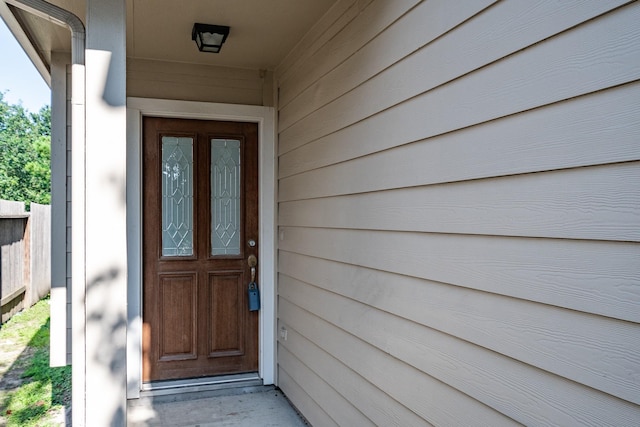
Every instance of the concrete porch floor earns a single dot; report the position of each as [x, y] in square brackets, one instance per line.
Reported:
[254, 406]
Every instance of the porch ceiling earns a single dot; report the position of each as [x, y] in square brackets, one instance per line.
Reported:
[262, 32]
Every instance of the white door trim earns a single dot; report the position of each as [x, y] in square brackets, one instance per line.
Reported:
[265, 117]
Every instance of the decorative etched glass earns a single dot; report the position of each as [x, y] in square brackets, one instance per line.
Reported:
[225, 197]
[177, 196]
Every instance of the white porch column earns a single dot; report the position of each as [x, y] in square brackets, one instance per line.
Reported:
[105, 245]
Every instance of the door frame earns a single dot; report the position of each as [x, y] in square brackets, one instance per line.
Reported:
[265, 118]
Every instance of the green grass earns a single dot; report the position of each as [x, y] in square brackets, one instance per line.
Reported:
[45, 388]
[23, 327]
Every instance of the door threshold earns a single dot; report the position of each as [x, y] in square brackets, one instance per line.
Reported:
[196, 385]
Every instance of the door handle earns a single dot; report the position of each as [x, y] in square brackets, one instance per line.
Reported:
[254, 293]
[252, 261]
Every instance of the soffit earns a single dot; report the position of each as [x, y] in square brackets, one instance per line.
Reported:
[45, 36]
[262, 32]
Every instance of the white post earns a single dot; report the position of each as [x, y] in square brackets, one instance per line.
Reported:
[105, 242]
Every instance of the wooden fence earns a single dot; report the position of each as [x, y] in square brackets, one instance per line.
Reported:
[25, 256]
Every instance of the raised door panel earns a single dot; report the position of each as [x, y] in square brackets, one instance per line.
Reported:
[226, 316]
[177, 332]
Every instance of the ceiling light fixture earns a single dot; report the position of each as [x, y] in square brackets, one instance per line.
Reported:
[209, 38]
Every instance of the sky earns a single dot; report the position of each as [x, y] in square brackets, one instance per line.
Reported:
[19, 79]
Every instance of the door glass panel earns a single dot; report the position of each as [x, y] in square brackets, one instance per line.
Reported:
[225, 197]
[177, 196]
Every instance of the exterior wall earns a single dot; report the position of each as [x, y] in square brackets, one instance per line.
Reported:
[189, 82]
[60, 209]
[68, 208]
[459, 214]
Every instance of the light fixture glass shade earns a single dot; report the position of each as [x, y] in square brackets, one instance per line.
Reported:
[209, 38]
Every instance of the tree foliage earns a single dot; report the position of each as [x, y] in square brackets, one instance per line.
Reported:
[25, 153]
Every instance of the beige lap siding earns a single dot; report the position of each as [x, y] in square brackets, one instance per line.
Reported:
[459, 206]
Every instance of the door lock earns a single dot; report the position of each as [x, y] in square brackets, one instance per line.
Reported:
[252, 261]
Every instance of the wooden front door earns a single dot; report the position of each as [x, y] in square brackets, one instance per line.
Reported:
[200, 193]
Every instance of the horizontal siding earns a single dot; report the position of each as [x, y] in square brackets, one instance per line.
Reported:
[594, 277]
[300, 399]
[590, 203]
[432, 400]
[373, 402]
[459, 213]
[562, 135]
[576, 345]
[435, 18]
[499, 382]
[68, 211]
[542, 74]
[365, 20]
[320, 391]
[473, 44]
[336, 18]
[167, 80]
